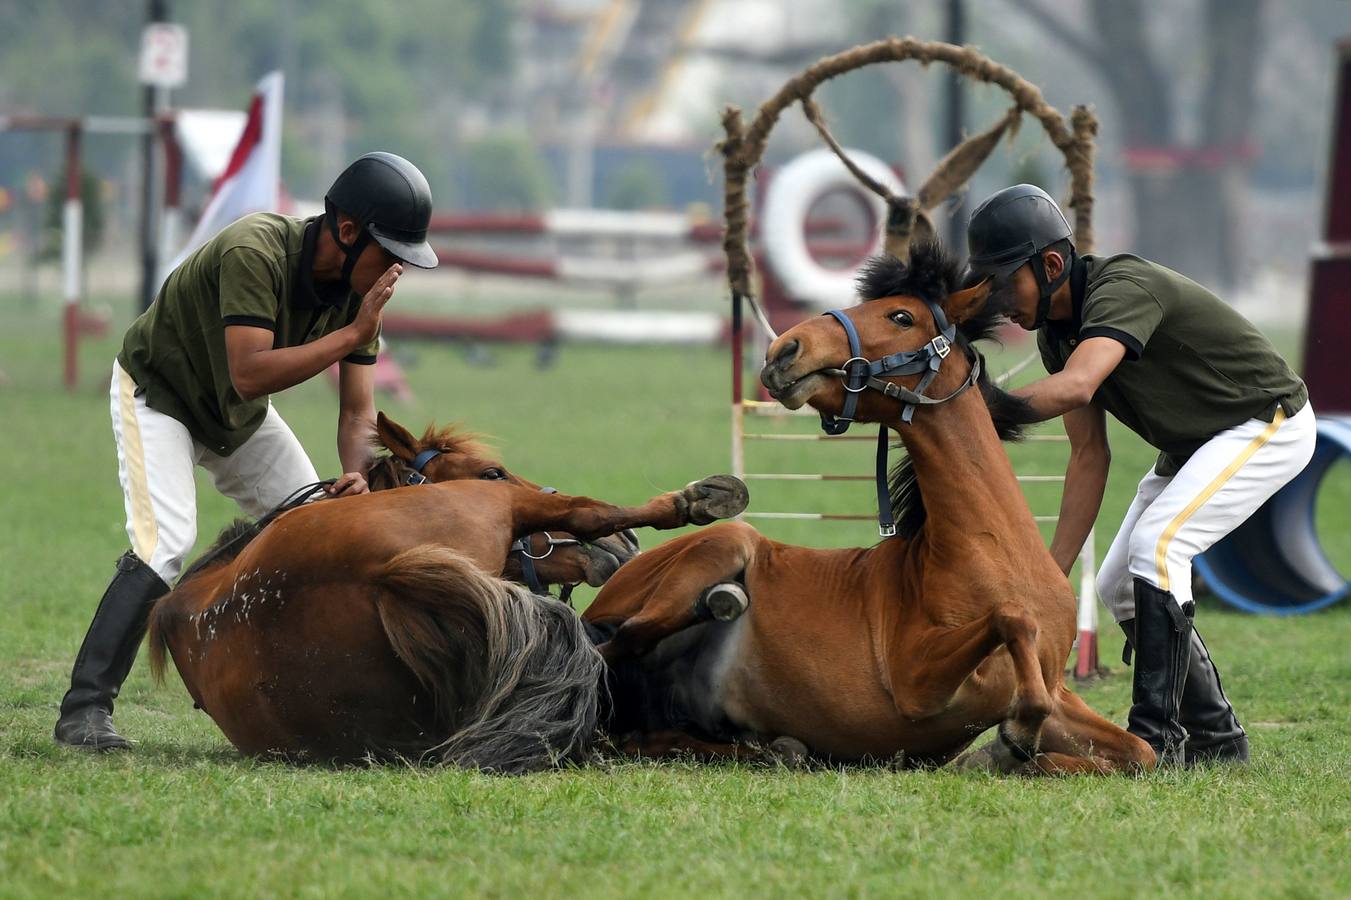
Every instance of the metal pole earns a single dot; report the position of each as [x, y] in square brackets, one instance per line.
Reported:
[956, 122]
[154, 98]
[171, 225]
[738, 391]
[72, 238]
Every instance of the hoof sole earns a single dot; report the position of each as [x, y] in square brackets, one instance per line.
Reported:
[716, 497]
[726, 602]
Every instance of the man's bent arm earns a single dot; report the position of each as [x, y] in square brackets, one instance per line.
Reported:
[1074, 386]
[1085, 482]
[356, 416]
[258, 370]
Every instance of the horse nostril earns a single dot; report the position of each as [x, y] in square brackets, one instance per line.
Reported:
[787, 353]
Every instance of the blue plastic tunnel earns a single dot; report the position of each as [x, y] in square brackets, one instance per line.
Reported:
[1274, 563]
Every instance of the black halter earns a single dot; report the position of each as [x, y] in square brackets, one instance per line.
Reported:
[860, 373]
[419, 463]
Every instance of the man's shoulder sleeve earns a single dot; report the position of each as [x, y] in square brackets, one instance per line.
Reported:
[250, 288]
[1124, 310]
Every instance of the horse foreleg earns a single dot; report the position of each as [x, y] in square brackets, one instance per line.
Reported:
[929, 667]
[674, 586]
[698, 503]
[1075, 730]
[951, 655]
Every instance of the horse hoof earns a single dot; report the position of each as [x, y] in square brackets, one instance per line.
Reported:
[715, 497]
[726, 601]
[790, 752]
[981, 760]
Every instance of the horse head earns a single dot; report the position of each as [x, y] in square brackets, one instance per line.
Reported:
[450, 454]
[870, 362]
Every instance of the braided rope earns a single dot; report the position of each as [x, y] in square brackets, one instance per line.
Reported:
[742, 147]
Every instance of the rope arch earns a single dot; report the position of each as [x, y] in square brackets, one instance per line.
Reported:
[743, 146]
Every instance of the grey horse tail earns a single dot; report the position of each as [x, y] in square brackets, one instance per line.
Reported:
[515, 680]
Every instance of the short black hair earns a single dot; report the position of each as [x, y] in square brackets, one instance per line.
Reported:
[1064, 247]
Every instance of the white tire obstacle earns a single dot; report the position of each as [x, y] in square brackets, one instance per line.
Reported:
[790, 197]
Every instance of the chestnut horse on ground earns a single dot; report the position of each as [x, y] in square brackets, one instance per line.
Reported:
[370, 627]
[911, 647]
[452, 454]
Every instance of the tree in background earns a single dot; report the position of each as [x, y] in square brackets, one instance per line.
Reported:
[638, 184]
[91, 199]
[1188, 196]
[360, 74]
[505, 171]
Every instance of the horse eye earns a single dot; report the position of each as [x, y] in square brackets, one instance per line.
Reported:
[903, 318]
[493, 475]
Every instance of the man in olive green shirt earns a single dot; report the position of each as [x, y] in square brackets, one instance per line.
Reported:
[268, 303]
[1196, 380]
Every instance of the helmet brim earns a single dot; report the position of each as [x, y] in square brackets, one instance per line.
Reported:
[415, 254]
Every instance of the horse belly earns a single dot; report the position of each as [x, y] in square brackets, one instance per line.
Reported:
[833, 705]
[305, 674]
[826, 692]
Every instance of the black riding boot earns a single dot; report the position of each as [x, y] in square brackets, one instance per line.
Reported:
[106, 656]
[1213, 731]
[1163, 633]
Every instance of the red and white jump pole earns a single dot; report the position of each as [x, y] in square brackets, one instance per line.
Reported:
[76, 321]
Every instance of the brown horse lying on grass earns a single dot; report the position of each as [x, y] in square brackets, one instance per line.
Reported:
[369, 628]
[914, 646]
[455, 455]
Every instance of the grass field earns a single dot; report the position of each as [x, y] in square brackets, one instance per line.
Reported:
[184, 815]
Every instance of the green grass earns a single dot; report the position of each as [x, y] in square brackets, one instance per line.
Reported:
[184, 815]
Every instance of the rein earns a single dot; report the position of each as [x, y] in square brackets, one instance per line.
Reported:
[520, 545]
[860, 374]
[298, 497]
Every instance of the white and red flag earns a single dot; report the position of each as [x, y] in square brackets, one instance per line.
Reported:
[251, 181]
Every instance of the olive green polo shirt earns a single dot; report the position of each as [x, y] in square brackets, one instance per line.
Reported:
[1193, 366]
[257, 271]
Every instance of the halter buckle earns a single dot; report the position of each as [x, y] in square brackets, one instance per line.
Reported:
[886, 530]
[942, 346]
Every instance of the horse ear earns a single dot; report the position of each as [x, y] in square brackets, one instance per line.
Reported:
[962, 305]
[395, 438]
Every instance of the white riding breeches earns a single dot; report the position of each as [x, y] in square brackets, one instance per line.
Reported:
[1173, 519]
[156, 455]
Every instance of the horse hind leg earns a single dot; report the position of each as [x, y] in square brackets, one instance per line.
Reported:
[673, 586]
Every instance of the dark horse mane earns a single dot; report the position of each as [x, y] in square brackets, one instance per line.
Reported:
[238, 534]
[932, 275]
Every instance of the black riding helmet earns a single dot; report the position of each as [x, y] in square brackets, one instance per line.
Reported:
[1012, 227]
[389, 198]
